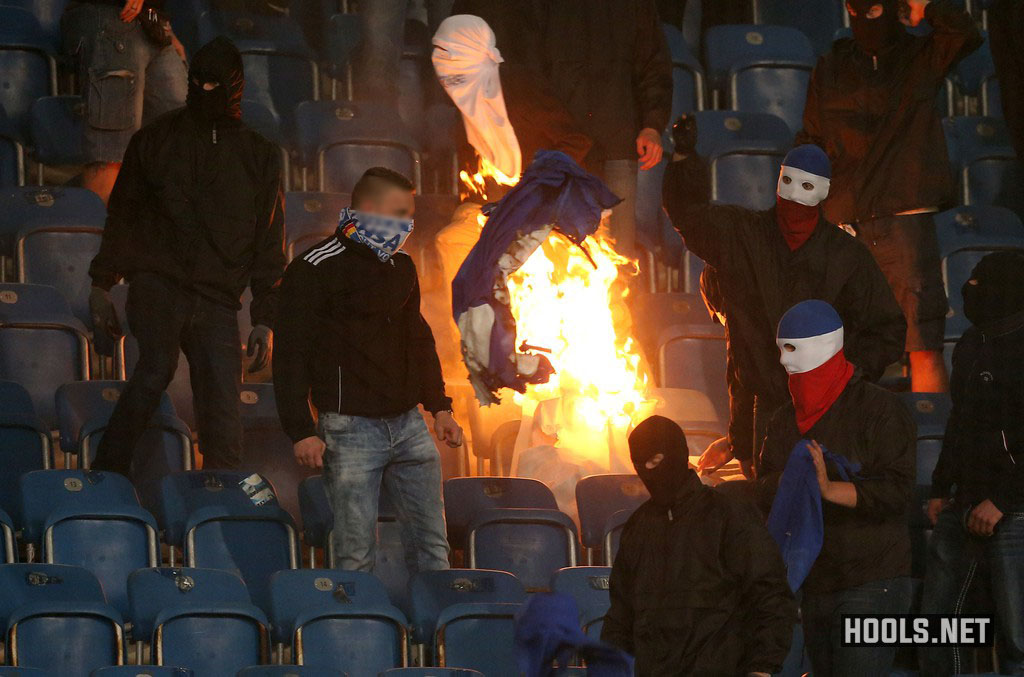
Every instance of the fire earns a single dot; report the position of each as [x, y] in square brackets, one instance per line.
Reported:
[477, 183]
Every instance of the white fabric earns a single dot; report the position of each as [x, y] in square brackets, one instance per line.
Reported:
[811, 352]
[794, 191]
[466, 62]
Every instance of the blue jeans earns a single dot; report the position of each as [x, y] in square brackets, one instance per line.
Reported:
[821, 614]
[364, 454]
[620, 176]
[955, 559]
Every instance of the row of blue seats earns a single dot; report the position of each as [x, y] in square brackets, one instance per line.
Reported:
[204, 620]
[262, 671]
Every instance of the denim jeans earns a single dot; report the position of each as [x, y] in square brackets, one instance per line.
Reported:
[955, 559]
[365, 454]
[166, 319]
[620, 177]
[822, 620]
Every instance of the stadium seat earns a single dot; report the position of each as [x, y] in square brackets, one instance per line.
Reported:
[930, 412]
[23, 584]
[692, 356]
[229, 520]
[589, 587]
[12, 154]
[613, 534]
[817, 20]
[28, 68]
[466, 497]
[47, 14]
[342, 140]
[42, 345]
[6, 671]
[317, 516]
[687, 75]
[653, 313]
[10, 550]
[339, 619]
[763, 68]
[58, 130]
[24, 443]
[344, 35]
[268, 450]
[310, 217]
[478, 636]
[35, 208]
[430, 592]
[531, 543]
[142, 671]
[261, 118]
[154, 589]
[41, 492]
[289, 671]
[983, 158]
[598, 497]
[975, 72]
[430, 672]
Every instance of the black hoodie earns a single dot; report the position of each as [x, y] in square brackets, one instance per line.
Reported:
[198, 199]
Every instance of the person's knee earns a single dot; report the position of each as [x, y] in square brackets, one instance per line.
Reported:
[154, 374]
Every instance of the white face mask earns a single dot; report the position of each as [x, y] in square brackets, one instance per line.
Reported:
[801, 187]
[799, 355]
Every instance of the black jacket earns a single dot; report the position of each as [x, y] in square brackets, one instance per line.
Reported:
[700, 589]
[759, 279]
[608, 61]
[871, 426]
[983, 449]
[876, 118]
[201, 205]
[350, 338]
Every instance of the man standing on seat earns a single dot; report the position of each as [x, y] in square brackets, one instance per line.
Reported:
[351, 341]
[196, 215]
[871, 106]
[766, 262]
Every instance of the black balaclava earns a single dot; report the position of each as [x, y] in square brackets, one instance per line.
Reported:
[996, 289]
[873, 35]
[659, 435]
[217, 61]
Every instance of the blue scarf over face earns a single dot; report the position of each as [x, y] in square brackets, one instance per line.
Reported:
[385, 235]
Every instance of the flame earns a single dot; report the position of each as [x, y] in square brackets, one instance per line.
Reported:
[477, 183]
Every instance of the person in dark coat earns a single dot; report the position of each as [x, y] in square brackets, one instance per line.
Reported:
[765, 262]
[196, 216]
[871, 106]
[978, 484]
[864, 562]
[698, 586]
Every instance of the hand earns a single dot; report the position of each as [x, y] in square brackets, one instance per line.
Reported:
[715, 456]
[648, 148]
[820, 469]
[261, 341]
[915, 9]
[935, 506]
[684, 136]
[178, 47]
[759, 674]
[104, 316]
[130, 10]
[309, 452]
[983, 518]
[447, 429]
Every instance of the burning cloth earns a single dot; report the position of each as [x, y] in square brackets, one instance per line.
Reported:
[554, 194]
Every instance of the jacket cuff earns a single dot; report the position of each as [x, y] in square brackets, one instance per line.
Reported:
[442, 403]
[938, 492]
[655, 119]
[297, 434]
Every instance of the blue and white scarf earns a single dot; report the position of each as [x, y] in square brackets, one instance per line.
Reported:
[385, 235]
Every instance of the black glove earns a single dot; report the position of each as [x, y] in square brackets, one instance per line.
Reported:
[684, 135]
[104, 316]
[261, 342]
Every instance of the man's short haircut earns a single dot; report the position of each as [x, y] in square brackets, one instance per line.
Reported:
[374, 181]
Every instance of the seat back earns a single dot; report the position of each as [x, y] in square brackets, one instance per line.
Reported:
[817, 20]
[359, 639]
[930, 411]
[289, 671]
[529, 542]
[298, 591]
[152, 590]
[278, 80]
[90, 637]
[31, 208]
[58, 130]
[141, 671]
[24, 584]
[431, 592]
[589, 587]
[431, 672]
[773, 88]
[317, 516]
[42, 492]
[24, 444]
[478, 636]
[598, 497]
[26, 65]
[654, 313]
[342, 164]
[467, 497]
[746, 177]
[694, 357]
[8, 550]
[310, 217]
[83, 407]
[613, 534]
[182, 494]
[687, 74]
[721, 131]
[220, 642]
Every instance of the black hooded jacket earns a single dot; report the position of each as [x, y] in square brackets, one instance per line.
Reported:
[198, 199]
[876, 118]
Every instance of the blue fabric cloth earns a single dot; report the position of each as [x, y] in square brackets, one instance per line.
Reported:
[553, 190]
[809, 318]
[548, 632]
[811, 159]
[795, 520]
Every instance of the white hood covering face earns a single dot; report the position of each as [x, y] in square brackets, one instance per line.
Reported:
[466, 62]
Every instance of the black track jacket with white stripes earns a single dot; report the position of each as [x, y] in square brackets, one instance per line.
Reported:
[350, 338]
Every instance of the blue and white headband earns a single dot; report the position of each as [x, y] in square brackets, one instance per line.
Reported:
[385, 235]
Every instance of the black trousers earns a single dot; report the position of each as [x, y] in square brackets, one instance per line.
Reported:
[166, 318]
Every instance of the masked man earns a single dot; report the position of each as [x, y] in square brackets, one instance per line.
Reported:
[698, 587]
[196, 215]
[351, 341]
[983, 458]
[871, 106]
[766, 262]
[864, 562]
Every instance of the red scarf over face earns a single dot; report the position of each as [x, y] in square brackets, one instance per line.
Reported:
[815, 391]
[796, 221]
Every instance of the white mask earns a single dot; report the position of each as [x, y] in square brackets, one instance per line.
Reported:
[802, 187]
[799, 355]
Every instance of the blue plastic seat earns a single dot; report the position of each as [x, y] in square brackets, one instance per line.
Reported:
[817, 20]
[338, 619]
[613, 534]
[431, 672]
[31, 208]
[141, 671]
[589, 587]
[598, 497]
[12, 154]
[479, 637]
[24, 443]
[466, 497]
[693, 357]
[6, 671]
[47, 14]
[9, 549]
[40, 492]
[655, 312]
[317, 516]
[211, 514]
[28, 69]
[310, 217]
[22, 584]
[983, 158]
[763, 68]
[930, 412]
[342, 140]
[154, 589]
[42, 345]
[431, 592]
[687, 74]
[531, 543]
[289, 671]
[58, 130]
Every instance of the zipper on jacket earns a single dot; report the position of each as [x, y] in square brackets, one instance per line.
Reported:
[215, 135]
[874, 65]
[339, 388]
